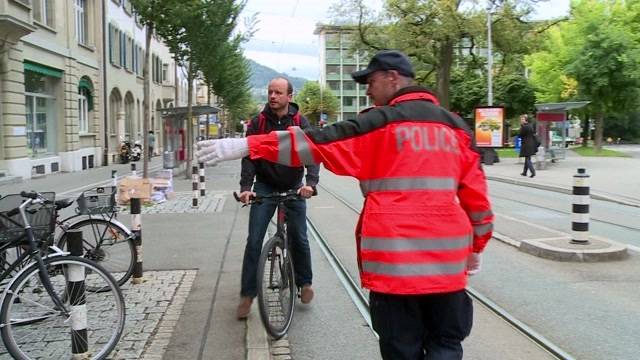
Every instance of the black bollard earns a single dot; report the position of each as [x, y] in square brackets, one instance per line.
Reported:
[580, 210]
[77, 298]
[194, 186]
[136, 228]
[202, 182]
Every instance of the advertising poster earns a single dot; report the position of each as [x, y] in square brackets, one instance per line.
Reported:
[489, 126]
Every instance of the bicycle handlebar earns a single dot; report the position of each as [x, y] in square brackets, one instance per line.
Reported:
[279, 196]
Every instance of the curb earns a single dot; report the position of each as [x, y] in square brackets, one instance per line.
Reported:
[560, 189]
[257, 340]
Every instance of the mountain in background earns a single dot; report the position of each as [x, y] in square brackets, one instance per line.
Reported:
[260, 77]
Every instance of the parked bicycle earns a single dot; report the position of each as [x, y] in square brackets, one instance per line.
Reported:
[105, 239]
[277, 289]
[48, 307]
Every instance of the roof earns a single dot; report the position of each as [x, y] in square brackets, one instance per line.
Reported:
[563, 106]
[334, 28]
[182, 111]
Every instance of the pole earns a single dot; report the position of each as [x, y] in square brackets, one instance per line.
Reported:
[489, 57]
[202, 181]
[136, 228]
[194, 186]
[580, 209]
[133, 170]
[77, 298]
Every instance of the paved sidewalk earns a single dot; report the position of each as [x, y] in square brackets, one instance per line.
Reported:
[612, 178]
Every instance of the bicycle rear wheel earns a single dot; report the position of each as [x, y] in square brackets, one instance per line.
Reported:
[108, 244]
[276, 288]
[33, 327]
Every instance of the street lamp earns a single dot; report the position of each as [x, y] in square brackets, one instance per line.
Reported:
[489, 56]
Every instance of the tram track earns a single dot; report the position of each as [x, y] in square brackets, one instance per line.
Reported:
[592, 218]
[360, 300]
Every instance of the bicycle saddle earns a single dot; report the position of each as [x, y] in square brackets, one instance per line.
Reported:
[63, 203]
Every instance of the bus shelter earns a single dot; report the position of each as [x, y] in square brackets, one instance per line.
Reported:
[552, 126]
[174, 132]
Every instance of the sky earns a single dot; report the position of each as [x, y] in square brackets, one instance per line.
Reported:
[284, 38]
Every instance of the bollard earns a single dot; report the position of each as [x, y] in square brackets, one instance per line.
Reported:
[540, 158]
[136, 228]
[114, 184]
[202, 183]
[194, 186]
[133, 170]
[580, 211]
[77, 298]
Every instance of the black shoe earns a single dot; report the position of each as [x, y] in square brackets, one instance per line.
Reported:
[532, 175]
[523, 174]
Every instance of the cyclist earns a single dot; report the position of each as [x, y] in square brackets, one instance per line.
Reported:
[278, 114]
[426, 215]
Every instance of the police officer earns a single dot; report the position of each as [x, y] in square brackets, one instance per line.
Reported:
[426, 215]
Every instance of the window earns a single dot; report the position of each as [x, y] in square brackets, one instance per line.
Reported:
[165, 72]
[43, 12]
[115, 45]
[127, 7]
[123, 49]
[81, 21]
[333, 54]
[348, 69]
[128, 59]
[348, 100]
[334, 85]
[40, 109]
[333, 69]
[348, 85]
[363, 101]
[83, 110]
[138, 20]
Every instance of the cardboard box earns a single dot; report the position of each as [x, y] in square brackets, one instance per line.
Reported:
[133, 188]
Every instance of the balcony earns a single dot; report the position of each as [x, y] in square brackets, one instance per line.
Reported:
[15, 19]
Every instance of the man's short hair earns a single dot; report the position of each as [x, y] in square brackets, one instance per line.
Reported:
[289, 86]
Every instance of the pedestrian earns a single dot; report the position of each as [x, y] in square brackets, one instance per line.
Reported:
[528, 146]
[152, 143]
[278, 114]
[426, 215]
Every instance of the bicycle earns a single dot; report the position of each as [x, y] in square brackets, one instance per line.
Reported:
[105, 239]
[276, 278]
[51, 291]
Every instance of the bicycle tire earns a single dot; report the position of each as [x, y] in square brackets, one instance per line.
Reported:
[33, 326]
[117, 251]
[276, 288]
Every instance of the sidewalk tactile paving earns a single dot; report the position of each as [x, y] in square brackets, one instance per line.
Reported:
[212, 202]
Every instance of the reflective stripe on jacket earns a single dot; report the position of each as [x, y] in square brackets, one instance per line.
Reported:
[426, 204]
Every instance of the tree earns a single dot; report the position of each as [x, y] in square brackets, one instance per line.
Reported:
[431, 31]
[314, 100]
[592, 57]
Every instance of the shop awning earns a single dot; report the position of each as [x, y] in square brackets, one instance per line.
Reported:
[197, 110]
[42, 69]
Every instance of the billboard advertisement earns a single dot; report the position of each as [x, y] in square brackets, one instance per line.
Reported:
[489, 125]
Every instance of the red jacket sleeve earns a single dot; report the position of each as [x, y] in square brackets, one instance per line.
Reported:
[472, 193]
[294, 148]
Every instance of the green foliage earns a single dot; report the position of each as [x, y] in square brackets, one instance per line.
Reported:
[590, 151]
[313, 101]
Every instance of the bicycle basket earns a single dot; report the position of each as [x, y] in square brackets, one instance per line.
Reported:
[41, 217]
[100, 200]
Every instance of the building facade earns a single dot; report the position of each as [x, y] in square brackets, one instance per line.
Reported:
[337, 62]
[50, 65]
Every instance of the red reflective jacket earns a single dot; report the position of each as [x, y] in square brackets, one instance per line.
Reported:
[426, 206]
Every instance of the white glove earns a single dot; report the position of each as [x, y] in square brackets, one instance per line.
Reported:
[212, 152]
[474, 263]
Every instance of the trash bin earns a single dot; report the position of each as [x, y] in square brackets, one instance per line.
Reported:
[168, 160]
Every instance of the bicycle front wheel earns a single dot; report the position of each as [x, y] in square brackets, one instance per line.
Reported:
[108, 244]
[276, 288]
[33, 327]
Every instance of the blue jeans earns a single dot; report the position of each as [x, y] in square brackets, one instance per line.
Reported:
[259, 218]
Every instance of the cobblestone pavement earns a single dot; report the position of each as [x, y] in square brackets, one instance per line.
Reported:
[212, 202]
[152, 311]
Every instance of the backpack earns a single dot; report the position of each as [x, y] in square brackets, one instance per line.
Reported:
[262, 121]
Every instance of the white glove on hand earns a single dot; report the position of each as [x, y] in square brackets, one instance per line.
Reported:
[474, 263]
[212, 152]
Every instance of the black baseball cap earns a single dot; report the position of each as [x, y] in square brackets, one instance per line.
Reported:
[385, 60]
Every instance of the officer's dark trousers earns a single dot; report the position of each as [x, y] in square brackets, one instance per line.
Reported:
[420, 327]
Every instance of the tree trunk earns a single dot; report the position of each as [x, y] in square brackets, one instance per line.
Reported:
[189, 149]
[585, 129]
[599, 129]
[444, 72]
[146, 102]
